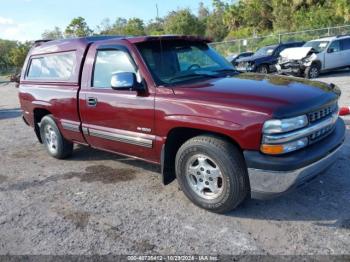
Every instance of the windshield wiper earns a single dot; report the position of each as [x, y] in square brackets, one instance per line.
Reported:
[227, 71]
[192, 75]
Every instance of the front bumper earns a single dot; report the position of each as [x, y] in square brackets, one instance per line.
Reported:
[271, 176]
[294, 69]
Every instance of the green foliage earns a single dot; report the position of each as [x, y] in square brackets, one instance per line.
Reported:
[121, 26]
[5, 60]
[12, 55]
[155, 27]
[78, 28]
[214, 23]
[183, 22]
[54, 34]
[18, 54]
[134, 26]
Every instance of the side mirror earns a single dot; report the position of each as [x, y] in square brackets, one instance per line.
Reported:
[123, 81]
[330, 50]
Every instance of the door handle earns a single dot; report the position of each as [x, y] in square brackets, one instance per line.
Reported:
[92, 101]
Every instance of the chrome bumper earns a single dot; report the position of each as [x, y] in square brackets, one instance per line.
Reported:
[266, 184]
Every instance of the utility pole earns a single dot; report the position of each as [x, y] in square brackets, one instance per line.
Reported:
[157, 11]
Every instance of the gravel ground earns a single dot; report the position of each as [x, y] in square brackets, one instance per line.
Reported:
[100, 203]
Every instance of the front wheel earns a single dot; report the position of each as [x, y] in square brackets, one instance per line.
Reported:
[56, 145]
[263, 69]
[312, 71]
[212, 173]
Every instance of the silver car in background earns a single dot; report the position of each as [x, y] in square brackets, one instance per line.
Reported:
[315, 56]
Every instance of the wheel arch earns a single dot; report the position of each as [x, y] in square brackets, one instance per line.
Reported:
[318, 63]
[177, 137]
[38, 114]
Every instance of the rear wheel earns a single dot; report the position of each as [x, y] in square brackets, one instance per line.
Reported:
[312, 71]
[56, 145]
[212, 173]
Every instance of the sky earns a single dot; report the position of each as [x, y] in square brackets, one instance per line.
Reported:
[27, 19]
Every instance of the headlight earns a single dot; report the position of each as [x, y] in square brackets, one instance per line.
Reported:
[285, 125]
[280, 126]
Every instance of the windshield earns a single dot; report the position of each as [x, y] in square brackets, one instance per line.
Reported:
[172, 62]
[319, 46]
[264, 51]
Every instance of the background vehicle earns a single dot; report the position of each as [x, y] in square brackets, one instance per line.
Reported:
[264, 60]
[233, 58]
[316, 56]
[173, 101]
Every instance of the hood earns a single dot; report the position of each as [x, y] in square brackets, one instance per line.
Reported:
[296, 53]
[231, 57]
[252, 58]
[277, 96]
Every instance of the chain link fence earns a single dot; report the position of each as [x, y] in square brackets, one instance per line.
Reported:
[236, 46]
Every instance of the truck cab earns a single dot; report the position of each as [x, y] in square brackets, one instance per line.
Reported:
[174, 101]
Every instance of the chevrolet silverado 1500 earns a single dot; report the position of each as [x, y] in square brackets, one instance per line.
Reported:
[174, 101]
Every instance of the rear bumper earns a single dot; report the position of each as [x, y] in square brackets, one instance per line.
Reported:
[271, 176]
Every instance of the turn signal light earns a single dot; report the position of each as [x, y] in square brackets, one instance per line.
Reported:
[272, 149]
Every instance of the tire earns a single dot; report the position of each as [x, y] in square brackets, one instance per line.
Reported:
[312, 71]
[227, 175]
[262, 69]
[56, 145]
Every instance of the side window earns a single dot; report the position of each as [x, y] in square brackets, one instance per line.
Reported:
[58, 66]
[345, 44]
[335, 46]
[109, 62]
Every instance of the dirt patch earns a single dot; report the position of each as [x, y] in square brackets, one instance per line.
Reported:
[98, 173]
[104, 174]
[144, 246]
[3, 179]
[79, 218]
[24, 153]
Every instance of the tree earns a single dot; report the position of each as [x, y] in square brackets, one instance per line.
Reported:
[258, 14]
[78, 28]
[155, 27]
[215, 22]
[134, 26]
[203, 12]
[19, 54]
[105, 27]
[183, 22]
[56, 33]
[119, 26]
[5, 61]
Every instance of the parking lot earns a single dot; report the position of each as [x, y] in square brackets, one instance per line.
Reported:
[100, 203]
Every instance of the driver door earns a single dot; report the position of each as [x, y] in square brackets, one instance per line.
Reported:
[121, 121]
[333, 56]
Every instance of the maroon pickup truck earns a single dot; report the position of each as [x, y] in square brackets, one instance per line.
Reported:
[173, 101]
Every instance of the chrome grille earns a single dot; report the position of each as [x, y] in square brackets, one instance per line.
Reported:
[319, 134]
[322, 113]
[242, 64]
